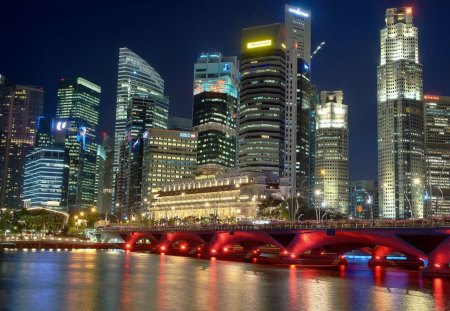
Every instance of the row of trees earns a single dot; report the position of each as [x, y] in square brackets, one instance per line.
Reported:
[31, 220]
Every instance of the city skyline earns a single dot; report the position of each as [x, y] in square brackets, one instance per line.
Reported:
[360, 88]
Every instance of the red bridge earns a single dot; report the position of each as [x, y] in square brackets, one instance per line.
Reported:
[307, 243]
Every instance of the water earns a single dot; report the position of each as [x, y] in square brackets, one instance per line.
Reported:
[107, 280]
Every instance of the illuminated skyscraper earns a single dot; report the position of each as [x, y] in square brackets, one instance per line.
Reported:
[331, 189]
[78, 102]
[262, 100]
[215, 112]
[401, 165]
[141, 104]
[20, 107]
[437, 141]
[298, 93]
[169, 155]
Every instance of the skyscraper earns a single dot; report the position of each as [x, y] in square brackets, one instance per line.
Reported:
[100, 170]
[169, 155]
[77, 110]
[331, 175]
[104, 201]
[401, 165]
[215, 111]
[298, 93]
[20, 107]
[262, 100]
[46, 168]
[437, 141]
[141, 104]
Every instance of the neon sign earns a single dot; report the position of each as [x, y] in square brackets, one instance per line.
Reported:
[259, 44]
[60, 125]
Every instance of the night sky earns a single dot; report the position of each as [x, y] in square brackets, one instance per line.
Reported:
[42, 41]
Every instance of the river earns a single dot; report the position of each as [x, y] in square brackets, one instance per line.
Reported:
[115, 280]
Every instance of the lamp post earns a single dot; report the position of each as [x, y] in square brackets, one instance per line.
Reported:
[317, 192]
[370, 201]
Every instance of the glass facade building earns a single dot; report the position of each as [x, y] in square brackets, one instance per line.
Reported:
[20, 107]
[45, 180]
[141, 105]
[437, 143]
[77, 111]
[298, 93]
[215, 112]
[401, 164]
[261, 138]
[363, 199]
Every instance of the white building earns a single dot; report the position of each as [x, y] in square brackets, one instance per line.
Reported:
[331, 189]
[226, 196]
[401, 165]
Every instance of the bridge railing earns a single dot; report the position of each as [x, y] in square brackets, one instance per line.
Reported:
[345, 224]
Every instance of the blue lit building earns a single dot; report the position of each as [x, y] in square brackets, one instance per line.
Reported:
[45, 178]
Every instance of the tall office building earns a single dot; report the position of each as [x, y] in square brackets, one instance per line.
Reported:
[169, 155]
[331, 175]
[363, 199]
[45, 180]
[437, 143]
[20, 107]
[77, 110]
[401, 165]
[46, 168]
[104, 200]
[298, 93]
[100, 162]
[262, 100]
[215, 112]
[315, 100]
[141, 104]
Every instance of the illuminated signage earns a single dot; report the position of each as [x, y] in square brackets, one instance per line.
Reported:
[60, 125]
[187, 135]
[258, 44]
[298, 12]
[226, 67]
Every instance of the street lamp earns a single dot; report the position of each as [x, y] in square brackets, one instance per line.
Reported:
[369, 201]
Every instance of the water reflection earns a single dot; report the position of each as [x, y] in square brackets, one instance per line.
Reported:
[86, 280]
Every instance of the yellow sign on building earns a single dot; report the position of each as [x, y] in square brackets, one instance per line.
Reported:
[258, 44]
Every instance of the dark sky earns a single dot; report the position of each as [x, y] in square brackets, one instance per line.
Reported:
[41, 41]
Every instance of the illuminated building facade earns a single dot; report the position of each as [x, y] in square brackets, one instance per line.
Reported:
[46, 169]
[141, 105]
[77, 110]
[45, 179]
[136, 80]
[20, 107]
[215, 112]
[298, 93]
[227, 197]
[331, 189]
[363, 199]
[105, 177]
[261, 139]
[401, 165]
[437, 142]
[169, 155]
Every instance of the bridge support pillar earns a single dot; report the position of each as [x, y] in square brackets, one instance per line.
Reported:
[439, 260]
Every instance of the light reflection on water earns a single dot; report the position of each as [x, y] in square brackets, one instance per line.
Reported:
[101, 280]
